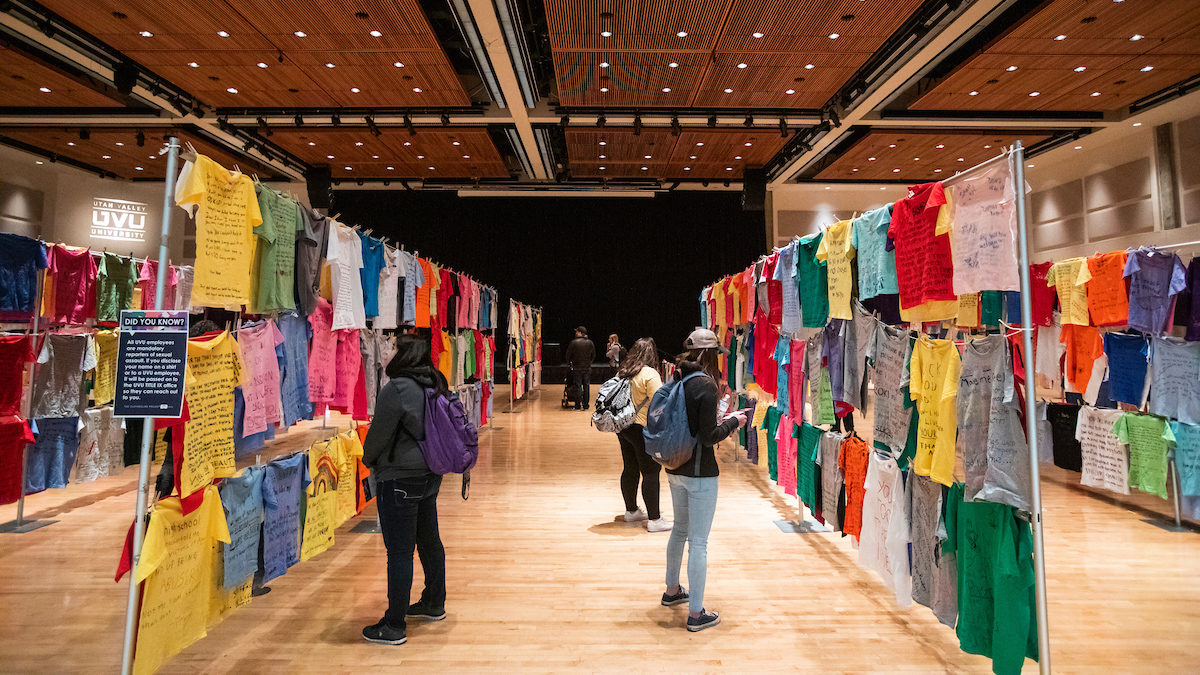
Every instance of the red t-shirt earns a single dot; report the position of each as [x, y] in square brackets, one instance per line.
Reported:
[15, 352]
[14, 435]
[924, 268]
[74, 276]
[766, 373]
[1042, 295]
[774, 292]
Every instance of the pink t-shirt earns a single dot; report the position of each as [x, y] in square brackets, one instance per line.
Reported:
[464, 302]
[148, 281]
[786, 455]
[795, 370]
[322, 354]
[261, 386]
[348, 364]
[74, 275]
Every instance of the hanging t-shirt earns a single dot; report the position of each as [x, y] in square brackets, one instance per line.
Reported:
[73, 272]
[322, 356]
[765, 339]
[1064, 276]
[883, 544]
[273, 282]
[15, 352]
[1083, 345]
[807, 439]
[924, 267]
[374, 260]
[1154, 278]
[260, 386]
[1149, 439]
[115, 278]
[936, 367]
[184, 274]
[1187, 456]
[925, 498]
[795, 378]
[891, 355]
[242, 501]
[97, 456]
[389, 290]
[771, 426]
[1104, 462]
[982, 222]
[858, 338]
[226, 212]
[423, 291]
[836, 250]
[1193, 285]
[15, 434]
[1128, 361]
[347, 365]
[53, 454]
[148, 283]
[782, 356]
[828, 448]
[294, 381]
[853, 459]
[176, 564]
[1064, 421]
[812, 278]
[774, 306]
[968, 311]
[57, 387]
[312, 244]
[786, 275]
[21, 258]
[786, 455]
[214, 368]
[1108, 302]
[1175, 379]
[876, 264]
[1042, 294]
[284, 484]
[346, 262]
[991, 440]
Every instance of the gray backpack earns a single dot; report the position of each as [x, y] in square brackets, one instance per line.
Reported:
[615, 411]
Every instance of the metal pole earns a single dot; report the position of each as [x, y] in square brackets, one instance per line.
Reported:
[1175, 491]
[139, 522]
[1039, 549]
[37, 315]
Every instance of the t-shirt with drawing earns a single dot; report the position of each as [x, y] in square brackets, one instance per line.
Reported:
[1103, 452]
[1155, 278]
[148, 283]
[15, 352]
[1084, 345]
[242, 501]
[115, 277]
[1149, 438]
[876, 264]
[982, 228]
[21, 260]
[786, 274]
[284, 486]
[57, 388]
[1175, 379]
[836, 250]
[1128, 361]
[374, 260]
[261, 384]
[991, 440]
[74, 274]
[1041, 293]
[812, 278]
[312, 244]
[273, 279]
[853, 459]
[883, 544]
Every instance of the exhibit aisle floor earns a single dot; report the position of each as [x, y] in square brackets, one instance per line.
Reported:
[543, 579]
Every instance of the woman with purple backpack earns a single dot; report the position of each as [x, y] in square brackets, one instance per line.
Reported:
[406, 490]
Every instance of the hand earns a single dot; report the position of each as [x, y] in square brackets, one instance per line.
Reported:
[740, 416]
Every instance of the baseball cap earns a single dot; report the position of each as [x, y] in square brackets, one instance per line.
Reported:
[703, 338]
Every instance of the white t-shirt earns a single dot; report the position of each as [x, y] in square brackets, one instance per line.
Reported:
[1104, 462]
[389, 290]
[345, 259]
[982, 227]
[883, 543]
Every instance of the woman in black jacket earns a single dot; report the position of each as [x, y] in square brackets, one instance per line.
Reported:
[694, 484]
[406, 490]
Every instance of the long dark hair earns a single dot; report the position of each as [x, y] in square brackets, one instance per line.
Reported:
[413, 360]
[643, 353]
[699, 360]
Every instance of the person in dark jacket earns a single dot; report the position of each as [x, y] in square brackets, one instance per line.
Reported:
[406, 490]
[580, 355]
[694, 484]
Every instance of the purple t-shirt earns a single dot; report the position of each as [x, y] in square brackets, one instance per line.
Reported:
[1155, 278]
[1193, 281]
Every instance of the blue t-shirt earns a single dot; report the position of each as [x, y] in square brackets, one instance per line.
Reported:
[785, 273]
[1187, 456]
[1155, 278]
[247, 444]
[282, 489]
[1127, 361]
[783, 356]
[242, 499]
[834, 350]
[20, 260]
[293, 369]
[53, 454]
[373, 264]
[876, 264]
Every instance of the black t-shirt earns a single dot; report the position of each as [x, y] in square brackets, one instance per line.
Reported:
[1063, 417]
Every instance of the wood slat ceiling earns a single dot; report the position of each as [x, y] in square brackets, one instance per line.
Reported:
[638, 25]
[767, 78]
[719, 153]
[1097, 38]
[124, 156]
[633, 78]
[804, 26]
[262, 33]
[23, 78]
[410, 157]
[921, 154]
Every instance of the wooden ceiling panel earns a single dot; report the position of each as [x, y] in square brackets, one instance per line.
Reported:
[256, 87]
[804, 26]
[337, 25]
[368, 156]
[174, 25]
[718, 154]
[623, 155]
[921, 154]
[25, 78]
[633, 79]
[765, 80]
[1100, 27]
[635, 24]
[380, 82]
[116, 149]
[699, 154]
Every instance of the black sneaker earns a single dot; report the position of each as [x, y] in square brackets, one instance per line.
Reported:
[420, 610]
[705, 620]
[383, 634]
[677, 599]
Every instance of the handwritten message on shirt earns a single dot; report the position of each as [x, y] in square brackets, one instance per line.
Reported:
[1104, 462]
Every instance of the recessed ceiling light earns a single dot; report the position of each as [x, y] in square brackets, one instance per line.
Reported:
[673, 64]
[349, 168]
[354, 89]
[987, 147]
[300, 34]
[895, 170]
[417, 89]
[139, 168]
[939, 146]
[1029, 166]
[604, 64]
[692, 157]
[374, 156]
[1147, 69]
[809, 67]
[1035, 93]
[756, 35]
[603, 142]
[312, 143]
[687, 168]
[854, 169]
[193, 64]
[44, 90]
[120, 143]
[38, 161]
[645, 168]
[937, 170]
[827, 187]
[603, 90]
[1136, 37]
[1060, 38]
[1079, 147]
[231, 90]
[391, 168]
[408, 142]
[262, 65]
[960, 159]
[834, 36]
[700, 143]
[737, 157]
[144, 33]
[870, 159]
[153, 157]
[728, 91]
[601, 168]
[916, 159]
[682, 33]
[605, 33]
[729, 168]
[647, 156]
[666, 90]
[455, 143]
[973, 93]
[328, 156]
[329, 65]
[1010, 68]
[106, 157]
[603, 156]
[432, 169]
[892, 145]
[398, 64]
[1137, 124]
[789, 92]
[1095, 93]
[222, 33]
[742, 65]
[70, 142]
[748, 144]
[1080, 69]
[883, 188]
[420, 156]
[358, 143]
[376, 33]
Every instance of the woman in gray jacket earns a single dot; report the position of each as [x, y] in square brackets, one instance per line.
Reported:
[406, 490]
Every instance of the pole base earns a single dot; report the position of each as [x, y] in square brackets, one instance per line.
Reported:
[11, 527]
[1165, 525]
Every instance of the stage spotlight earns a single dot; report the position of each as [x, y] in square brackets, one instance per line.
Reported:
[749, 121]
[675, 128]
[412, 131]
[637, 125]
[600, 121]
[783, 128]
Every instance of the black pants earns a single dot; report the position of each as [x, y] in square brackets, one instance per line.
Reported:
[583, 389]
[408, 516]
[638, 463]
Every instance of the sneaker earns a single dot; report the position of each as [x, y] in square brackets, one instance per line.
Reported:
[420, 610]
[635, 516]
[660, 525]
[677, 599]
[705, 620]
[383, 634]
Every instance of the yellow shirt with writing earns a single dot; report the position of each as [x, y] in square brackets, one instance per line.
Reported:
[935, 367]
[104, 386]
[1072, 296]
[176, 564]
[214, 368]
[226, 211]
[348, 449]
[836, 251]
[968, 310]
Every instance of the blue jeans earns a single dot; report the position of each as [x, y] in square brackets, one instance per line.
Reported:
[582, 380]
[695, 504]
[408, 518]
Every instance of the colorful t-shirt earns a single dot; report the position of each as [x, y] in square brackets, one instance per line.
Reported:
[1084, 345]
[21, 260]
[73, 272]
[1072, 295]
[1155, 278]
[891, 357]
[283, 487]
[242, 501]
[812, 278]
[853, 458]
[991, 440]
[1042, 295]
[214, 369]
[1128, 361]
[273, 277]
[924, 267]
[115, 279]
[837, 250]
[1149, 439]
[346, 263]
[1107, 299]
[982, 226]
[1175, 379]
[1104, 462]
[15, 352]
[935, 369]
[260, 386]
[374, 261]
[876, 264]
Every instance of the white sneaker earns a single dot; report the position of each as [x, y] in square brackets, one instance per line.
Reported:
[660, 525]
[634, 516]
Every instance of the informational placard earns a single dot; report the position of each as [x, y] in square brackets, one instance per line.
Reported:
[151, 360]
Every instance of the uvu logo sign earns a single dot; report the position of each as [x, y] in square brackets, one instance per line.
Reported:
[118, 219]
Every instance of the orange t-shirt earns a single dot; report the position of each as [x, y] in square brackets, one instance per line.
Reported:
[1084, 344]
[1108, 299]
[423, 294]
[852, 458]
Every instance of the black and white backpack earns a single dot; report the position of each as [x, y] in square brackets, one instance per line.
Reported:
[615, 411]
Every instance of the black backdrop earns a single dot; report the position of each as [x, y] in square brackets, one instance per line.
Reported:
[631, 266]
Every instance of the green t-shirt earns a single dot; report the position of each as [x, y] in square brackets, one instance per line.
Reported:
[272, 279]
[115, 277]
[992, 303]
[808, 439]
[996, 608]
[771, 424]
[1149, 438]
[825, 412]
[812, 278]
[469, 357]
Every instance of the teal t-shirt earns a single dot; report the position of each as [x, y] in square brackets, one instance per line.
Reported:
[771, 424]
[808, 438]
[812, 277]
[992, 307]
[876, 264]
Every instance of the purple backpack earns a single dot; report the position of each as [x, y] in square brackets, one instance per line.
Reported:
[451, 443]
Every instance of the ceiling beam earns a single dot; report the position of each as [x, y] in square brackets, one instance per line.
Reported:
[484, 14]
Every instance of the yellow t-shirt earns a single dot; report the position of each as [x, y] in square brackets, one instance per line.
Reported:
[968, 310]
[935, 367]
[1064, 276]
[937, 310]
[836, 251]
[104, 386]
[718, 296]
[176, 565]
[214, 368]
[227, 212]
[641, 388]
[349, 448]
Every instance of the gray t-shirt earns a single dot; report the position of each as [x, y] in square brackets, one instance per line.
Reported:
[926, 497]
[312, 244]
[58, 387]
[831, 477]
[890, 354]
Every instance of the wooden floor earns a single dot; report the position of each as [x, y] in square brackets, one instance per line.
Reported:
[543, 580]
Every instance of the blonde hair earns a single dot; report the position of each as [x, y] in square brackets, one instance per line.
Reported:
[612, 339]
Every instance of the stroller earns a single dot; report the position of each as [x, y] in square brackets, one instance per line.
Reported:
[570, 393]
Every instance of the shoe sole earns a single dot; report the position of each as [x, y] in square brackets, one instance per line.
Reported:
[710, 624]
[381, 641]
[428, 617]
[672, 603]
[655, 531]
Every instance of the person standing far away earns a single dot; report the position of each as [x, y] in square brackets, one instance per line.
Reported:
[694, 483]
[615, 352]
[580, 355]
[639, 368]
[406, 490]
